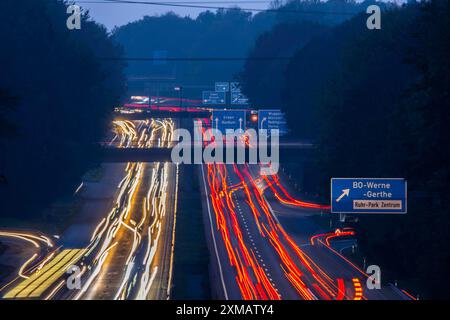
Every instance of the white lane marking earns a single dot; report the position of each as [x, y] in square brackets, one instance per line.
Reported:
[255, 248]
[214, 237]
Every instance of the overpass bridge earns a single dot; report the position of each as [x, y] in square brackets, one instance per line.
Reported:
[288, 152]
[146, 114]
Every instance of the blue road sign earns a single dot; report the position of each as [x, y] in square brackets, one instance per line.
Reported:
[213, 97]
[368, 195]
[272, 119]
[222, 86]
[239, 98]
[235, 87]
[228, 119]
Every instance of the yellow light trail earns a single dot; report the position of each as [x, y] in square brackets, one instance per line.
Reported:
[140, 134]
[31, 238]
[23, 267]
[39, 282]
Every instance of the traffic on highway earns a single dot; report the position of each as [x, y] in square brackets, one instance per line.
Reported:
[224, 158]
[129, 253]
[130, 250]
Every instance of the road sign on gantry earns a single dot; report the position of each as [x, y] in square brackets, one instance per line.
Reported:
[222, 86]
[235, 87]
[272, 119]
[228, 119]
[213, 97]
[239, 98]
[368, 195]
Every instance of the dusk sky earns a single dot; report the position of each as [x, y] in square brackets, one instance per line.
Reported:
[112, 14]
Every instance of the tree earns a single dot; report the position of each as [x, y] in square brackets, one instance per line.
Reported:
[65, 96]
[263, 80]
[378, 103]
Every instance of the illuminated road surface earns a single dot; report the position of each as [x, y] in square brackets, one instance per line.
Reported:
[257, 258]
[136, 241]
[255, 254]
[39, 282]
[130, 253]
[134, 261]
[32, 246]
[323, 247]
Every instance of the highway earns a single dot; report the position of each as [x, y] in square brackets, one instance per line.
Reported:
[135, 241]
[25, 251]
[322, 245]
[130, 252]
[254, 254]
[264, 242]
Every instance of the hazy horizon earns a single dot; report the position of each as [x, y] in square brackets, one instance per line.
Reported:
[118, 14]
[112, 14]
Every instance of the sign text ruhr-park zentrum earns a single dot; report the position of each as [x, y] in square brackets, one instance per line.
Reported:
[368, 195]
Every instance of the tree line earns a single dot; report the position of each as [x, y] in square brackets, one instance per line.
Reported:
[225, 33]
[56, 98]
[376, 103]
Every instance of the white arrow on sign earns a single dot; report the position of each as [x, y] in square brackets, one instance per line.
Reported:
[217, 123]
[345, 192]
[240, 123]
[262, 122]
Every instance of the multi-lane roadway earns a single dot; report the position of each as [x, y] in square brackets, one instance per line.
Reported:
[129, 254]
[264, 242]
[258, 257]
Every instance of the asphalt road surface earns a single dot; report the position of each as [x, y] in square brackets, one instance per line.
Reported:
[254, 254]
[127, 253]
